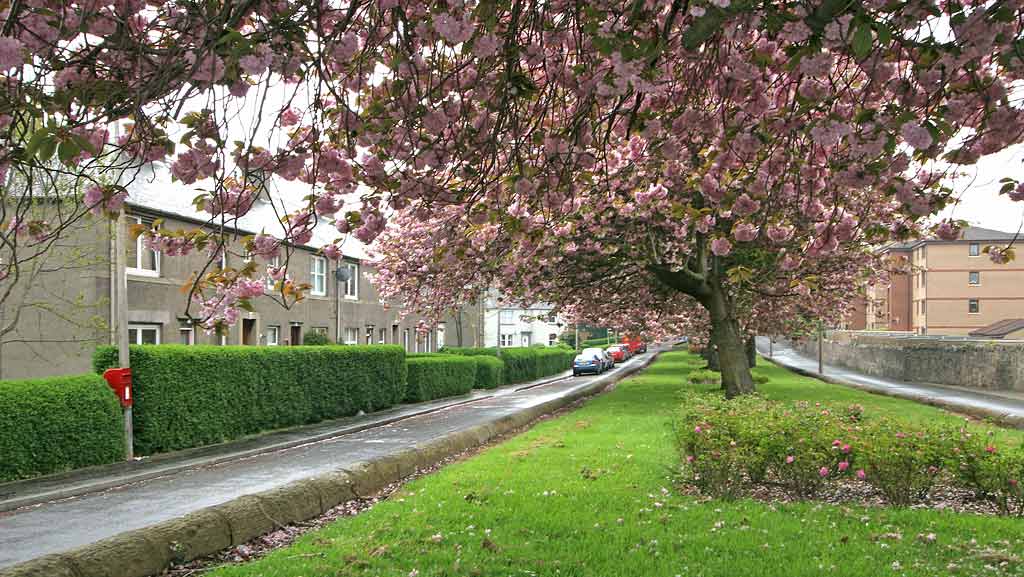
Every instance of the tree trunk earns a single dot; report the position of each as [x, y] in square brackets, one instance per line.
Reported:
[751, 352]
[710, 355]
[732, 354]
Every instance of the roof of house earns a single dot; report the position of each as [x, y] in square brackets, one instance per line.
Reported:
[152, 188]
[998, 329]
[970, 233]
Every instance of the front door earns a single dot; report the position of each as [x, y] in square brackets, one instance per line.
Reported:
[296, 335]
[248, 331]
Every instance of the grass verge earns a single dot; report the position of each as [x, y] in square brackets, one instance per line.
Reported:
[591, 494]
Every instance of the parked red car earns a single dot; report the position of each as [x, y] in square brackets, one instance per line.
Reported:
[635, 345]
[618, 353]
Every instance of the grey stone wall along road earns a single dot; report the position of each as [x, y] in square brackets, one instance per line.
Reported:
[139, 529]
[1006, 409]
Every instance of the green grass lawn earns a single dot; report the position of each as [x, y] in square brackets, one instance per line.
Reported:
[592, 494]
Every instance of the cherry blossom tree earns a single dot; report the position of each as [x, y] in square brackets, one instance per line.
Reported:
[681, 151]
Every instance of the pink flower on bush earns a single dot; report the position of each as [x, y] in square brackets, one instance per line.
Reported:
[990, 449]
[697, 429]
[836, 443]
[843, 466]
[689, 458]
[916, 135]
[845, 448]
[861, 474]
[721, 247]
[823, 471]
[790, 459]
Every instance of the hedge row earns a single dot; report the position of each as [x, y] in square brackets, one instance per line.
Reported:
[490, 371]
[523, 363]
[438, 376]
[189, 396]
[597, 343]
[55, 424]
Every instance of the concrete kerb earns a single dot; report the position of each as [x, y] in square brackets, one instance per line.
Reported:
[149, 551]
[996, 417]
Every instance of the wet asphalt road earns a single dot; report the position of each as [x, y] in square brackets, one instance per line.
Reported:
[954, 396]
[58, 526]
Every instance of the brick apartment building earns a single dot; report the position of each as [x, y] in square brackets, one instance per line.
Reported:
[945, 287]
[70, 307]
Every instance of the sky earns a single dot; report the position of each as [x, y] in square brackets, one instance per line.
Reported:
[980, 202]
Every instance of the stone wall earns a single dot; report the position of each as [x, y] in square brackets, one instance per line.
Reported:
[982, 364]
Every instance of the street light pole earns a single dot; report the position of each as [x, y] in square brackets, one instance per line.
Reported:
[821, 337]
[121, 321]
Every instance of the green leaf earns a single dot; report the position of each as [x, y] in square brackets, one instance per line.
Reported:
[884, 34]
[861, 41]
[67, 150]
[46, 149]
[36, 141]
[702, 29]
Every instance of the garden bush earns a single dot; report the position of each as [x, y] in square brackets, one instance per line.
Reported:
[731, 446]
[523, 364]
[189, 396]
[993, 473]
[315, 339]
[58, 423]
[437, 376]
[490, 372]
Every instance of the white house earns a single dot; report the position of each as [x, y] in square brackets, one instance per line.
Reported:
[521, 326]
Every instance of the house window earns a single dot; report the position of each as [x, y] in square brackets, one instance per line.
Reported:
[144, 334]
[274, 262]
[405, 339]
[318, 276]
[973, 306]
[974, 277]
[141, 261]
[973, 249]
[223, 340]
[508, 317]
[382, 336]
[351, 336]
[186, 336]
[273, 335]
[506, 340]
[552, 339]
[352, 284]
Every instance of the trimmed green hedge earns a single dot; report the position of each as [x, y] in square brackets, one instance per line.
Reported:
[490, 371]
[189, 396]
[59, 423]
[524, 363]
[437, 376]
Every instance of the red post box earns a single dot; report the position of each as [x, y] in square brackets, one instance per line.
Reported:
[121, 381]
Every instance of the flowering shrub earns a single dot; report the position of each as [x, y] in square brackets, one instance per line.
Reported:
[993, 472]
[731, 446]
[904, 464]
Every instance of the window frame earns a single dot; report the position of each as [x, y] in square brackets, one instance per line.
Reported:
[191, 335]
[507, 316]
[276, 330]
[276, 263]
[314, 276]
[511, 340]
[352, 282]
[139, 248]
[974, 278]
[974, 250]
[139, 327]
[974, 303]
[351, 331]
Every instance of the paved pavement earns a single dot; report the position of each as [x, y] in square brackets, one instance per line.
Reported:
[61, 525]
[996, 404]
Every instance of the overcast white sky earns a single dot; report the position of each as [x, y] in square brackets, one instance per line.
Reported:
[980, 202]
